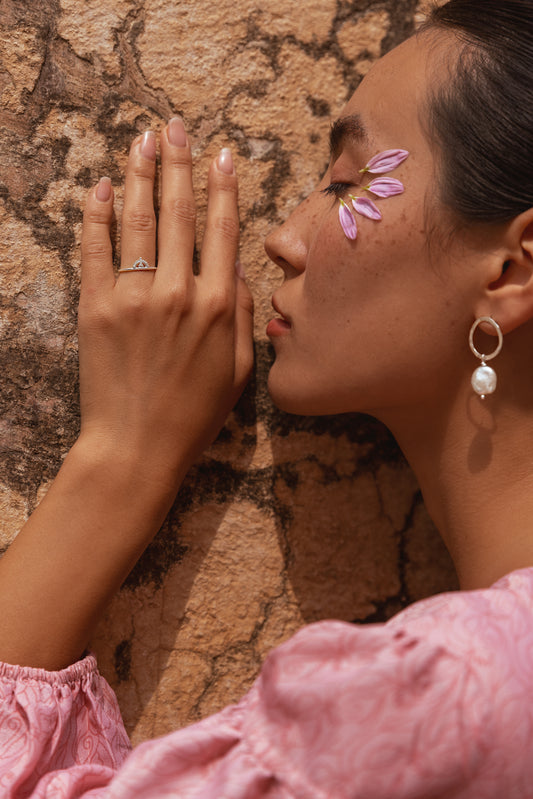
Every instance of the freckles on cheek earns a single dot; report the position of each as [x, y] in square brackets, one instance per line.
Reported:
[328, 247]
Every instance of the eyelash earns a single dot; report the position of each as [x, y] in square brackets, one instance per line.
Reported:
[336, 188]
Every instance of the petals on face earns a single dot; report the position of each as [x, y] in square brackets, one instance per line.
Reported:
[385, 187]
[383, 162]
[367, 208]
[386, 161]
[347, 220]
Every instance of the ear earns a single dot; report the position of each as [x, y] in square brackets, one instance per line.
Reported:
[509, 297]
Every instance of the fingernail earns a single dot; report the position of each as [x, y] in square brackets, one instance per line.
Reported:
[239, 270]
[176, 132]
[103, 190]
[148, 145]
[225, 161]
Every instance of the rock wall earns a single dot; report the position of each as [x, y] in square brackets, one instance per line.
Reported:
[285, 520]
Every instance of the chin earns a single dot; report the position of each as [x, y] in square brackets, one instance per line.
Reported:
[284, 396]
[304, 394]
[290, 397]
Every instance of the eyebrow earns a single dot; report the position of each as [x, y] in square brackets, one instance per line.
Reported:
[350, 128]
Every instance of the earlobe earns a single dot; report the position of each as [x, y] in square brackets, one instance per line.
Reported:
[509, 298]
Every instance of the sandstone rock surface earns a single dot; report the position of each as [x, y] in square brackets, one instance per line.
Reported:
[285, 520]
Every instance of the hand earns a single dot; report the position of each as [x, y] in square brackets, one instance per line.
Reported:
[164, 354]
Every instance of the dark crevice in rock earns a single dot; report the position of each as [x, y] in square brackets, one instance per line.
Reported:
[122, 661]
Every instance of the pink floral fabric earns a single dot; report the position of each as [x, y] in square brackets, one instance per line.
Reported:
[436, 703]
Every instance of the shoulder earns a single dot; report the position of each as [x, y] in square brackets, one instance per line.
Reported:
[490, 626]
[436, 694]
[461, 625]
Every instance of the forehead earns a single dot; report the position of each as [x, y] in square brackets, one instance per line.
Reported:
[391, 101]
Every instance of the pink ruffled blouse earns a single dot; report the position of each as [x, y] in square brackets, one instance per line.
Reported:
[438, 702]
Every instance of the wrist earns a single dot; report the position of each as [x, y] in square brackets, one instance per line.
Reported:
[128, 466]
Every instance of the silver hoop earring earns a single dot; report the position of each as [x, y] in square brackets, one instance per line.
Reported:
[484, 379]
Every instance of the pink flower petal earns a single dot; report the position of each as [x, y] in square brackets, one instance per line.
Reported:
[385, 187]
[385, 161]
[366, 207]
[347, 220]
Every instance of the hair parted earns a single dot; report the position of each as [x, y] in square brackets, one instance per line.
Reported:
[482, 117]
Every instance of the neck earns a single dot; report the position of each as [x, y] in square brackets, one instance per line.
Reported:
[474, 465]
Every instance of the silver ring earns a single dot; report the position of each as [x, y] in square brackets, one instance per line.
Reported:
[499, 333]
[140, 265]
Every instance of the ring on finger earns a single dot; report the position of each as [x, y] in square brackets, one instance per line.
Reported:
[140, 265]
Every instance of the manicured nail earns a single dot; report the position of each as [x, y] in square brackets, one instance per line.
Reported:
[148, 145]
[176, 132]
[239, 270]
[103, 190]
[225, 161]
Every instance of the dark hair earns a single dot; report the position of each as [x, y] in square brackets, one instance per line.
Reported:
[482, 117]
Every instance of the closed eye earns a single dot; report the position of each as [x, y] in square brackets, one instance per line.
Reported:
[336, 188]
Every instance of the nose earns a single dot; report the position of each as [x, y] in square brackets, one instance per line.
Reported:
[288, 244]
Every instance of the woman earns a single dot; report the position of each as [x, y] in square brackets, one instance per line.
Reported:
[387, 283]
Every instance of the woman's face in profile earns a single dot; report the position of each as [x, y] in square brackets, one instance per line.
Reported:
[377, 322]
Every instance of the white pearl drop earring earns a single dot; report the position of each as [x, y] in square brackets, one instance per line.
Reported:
[484, 379]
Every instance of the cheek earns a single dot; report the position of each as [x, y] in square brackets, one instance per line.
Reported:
[342, 271]
[339, 269]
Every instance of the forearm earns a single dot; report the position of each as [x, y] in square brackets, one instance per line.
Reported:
[164, 356]
[75, 551]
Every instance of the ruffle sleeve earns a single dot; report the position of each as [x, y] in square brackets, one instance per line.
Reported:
[63, 727]
[435, 703]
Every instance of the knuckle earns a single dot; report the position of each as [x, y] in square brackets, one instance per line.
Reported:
[230, 186]
[134, 306]
[182, 211]
[139, 221]
[227, 227]
[94, 250]
[176, 299]
[181, 159]
[219, 302]
[96, 215]
[142, 169]
[93, 315]
[225, 183]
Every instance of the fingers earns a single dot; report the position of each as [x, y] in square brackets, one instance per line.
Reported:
[176, 228]
[244, 350]
[177, 214]
[96, 251]
[221, 238]
[138, 217]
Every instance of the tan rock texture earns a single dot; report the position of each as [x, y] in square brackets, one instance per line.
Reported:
[285, 520]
